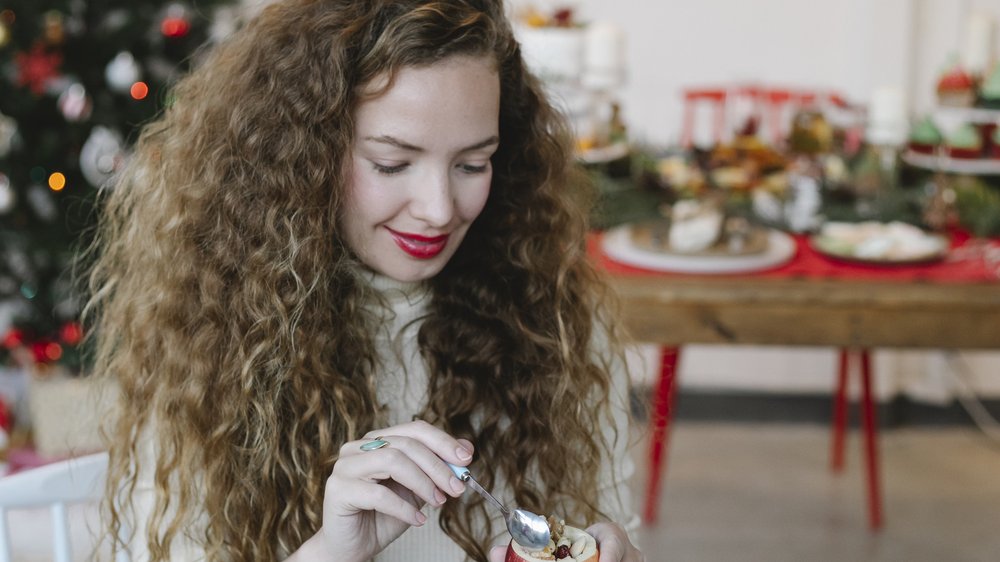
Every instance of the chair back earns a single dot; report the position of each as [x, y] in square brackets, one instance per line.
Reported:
[56, 485]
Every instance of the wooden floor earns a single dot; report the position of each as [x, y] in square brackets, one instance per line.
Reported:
[743, 492]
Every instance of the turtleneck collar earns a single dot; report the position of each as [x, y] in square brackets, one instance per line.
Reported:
[395, 291]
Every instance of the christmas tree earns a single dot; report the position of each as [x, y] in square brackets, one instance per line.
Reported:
[78, 78]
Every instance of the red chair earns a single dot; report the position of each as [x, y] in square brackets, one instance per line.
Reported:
[662, 413]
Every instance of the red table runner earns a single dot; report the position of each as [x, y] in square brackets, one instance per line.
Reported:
[968, 261]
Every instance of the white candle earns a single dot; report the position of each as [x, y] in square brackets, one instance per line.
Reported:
[604, 55]
[977, 47]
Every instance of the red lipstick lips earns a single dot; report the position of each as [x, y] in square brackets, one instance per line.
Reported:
[420, 247]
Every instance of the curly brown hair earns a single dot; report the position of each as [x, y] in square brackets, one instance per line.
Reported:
[230, 314]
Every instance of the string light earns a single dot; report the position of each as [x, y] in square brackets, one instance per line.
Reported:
[57, 181]
[139, 90]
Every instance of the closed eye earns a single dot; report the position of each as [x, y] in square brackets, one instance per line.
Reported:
[388, 170]
[471, 169]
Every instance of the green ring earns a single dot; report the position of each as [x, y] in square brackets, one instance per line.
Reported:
[376, 444]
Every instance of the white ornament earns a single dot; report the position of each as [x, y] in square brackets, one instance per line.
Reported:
[41, 202]
[74, 103]
[122, 72]
[7, 195]
[101, 156]
[8, 130]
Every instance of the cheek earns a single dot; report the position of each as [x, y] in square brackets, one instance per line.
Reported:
[470, 201]
[366, 201]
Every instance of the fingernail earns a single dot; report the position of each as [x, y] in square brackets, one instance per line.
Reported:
[421, 518]
[439, 496]
[463, 453]
[456, 485]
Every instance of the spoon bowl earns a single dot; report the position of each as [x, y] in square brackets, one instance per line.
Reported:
[528, 529]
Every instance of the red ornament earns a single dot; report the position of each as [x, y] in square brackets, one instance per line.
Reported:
[36, 68]
[71, 333]
[13, 338]
[174, 27]
[39, 351]
[6, 416]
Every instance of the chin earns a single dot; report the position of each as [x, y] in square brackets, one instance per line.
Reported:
[568, 544]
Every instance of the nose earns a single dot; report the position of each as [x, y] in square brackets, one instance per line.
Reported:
[432, 201]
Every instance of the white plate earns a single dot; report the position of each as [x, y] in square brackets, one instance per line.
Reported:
[954, 165]
[618, 246]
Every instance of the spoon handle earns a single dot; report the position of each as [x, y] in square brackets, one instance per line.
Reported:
[463, 474]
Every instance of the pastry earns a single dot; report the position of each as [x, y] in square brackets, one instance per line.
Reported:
[989, 91]
[924, 136]
[965, 142]
[567, 544]
[956, 88]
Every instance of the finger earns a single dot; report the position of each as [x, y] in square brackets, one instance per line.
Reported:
[609, 540]
[428, 461]
[445, 446]
[497, 553]
[396, 463]
[418, 440]
[360, 496]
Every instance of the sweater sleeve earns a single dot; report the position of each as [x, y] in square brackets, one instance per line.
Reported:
[614, 493]
[184, 547]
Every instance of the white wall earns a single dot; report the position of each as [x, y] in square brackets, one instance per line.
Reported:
[852, 46]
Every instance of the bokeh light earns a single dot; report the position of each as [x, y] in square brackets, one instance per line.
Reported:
[139, 90]
[57, 181]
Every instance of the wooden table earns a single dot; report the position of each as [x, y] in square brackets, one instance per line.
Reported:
[679, 310]
[811, 310]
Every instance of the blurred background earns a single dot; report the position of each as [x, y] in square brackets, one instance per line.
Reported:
[729, 139]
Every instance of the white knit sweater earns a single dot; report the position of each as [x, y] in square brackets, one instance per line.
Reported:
[402, 389]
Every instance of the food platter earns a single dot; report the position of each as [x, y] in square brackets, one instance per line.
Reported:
[880, 244]
[619, 245]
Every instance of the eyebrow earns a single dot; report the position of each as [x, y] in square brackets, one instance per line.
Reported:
[393, 141]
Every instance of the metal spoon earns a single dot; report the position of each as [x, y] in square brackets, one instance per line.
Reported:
[528, 529]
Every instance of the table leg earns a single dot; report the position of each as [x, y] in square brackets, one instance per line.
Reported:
[840, 413]
[662, 412]
[870, 423]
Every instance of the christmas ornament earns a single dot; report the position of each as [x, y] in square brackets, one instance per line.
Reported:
[101, 156]
[6, 20]
[6, 416]
[4, 34]
[74, 103]
[41, 202]
[37, 67]
[7, 195]
[55, 31]
[176, 23]
[224, 23]
[6, 422]
[8, 132]
[122, 72]
[71, 333]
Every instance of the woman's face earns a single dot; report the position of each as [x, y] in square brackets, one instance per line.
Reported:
[420, 166]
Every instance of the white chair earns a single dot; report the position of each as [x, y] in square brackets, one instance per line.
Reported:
[56, 485]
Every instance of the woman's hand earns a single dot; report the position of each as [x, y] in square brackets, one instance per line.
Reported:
[373, 496]
[612, 541]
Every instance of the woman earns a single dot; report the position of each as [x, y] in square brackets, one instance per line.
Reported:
[348, 253]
